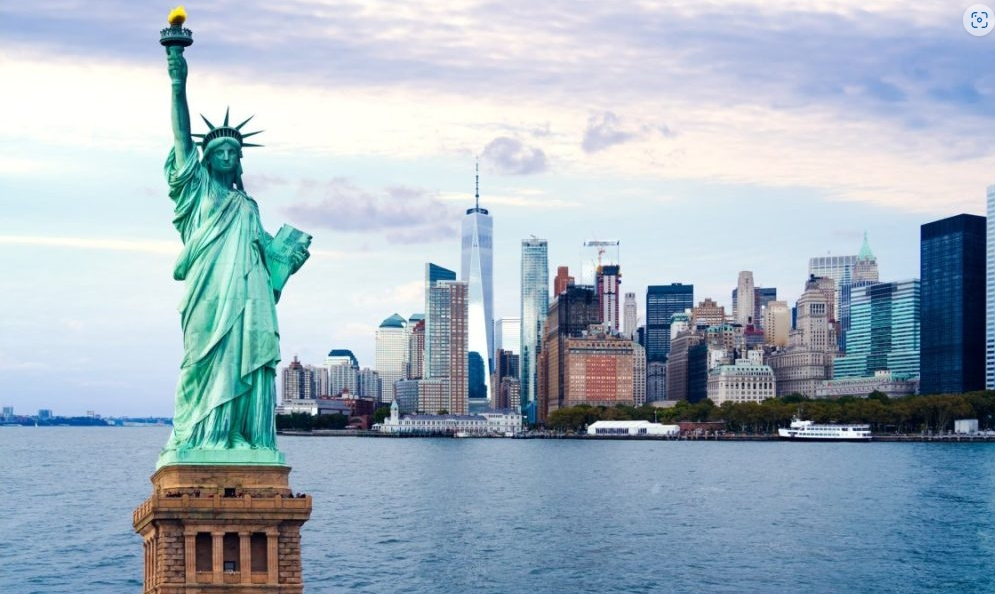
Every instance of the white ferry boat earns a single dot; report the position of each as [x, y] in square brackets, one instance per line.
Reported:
[809, 431]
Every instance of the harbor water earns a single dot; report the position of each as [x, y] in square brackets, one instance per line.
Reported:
[500, 516]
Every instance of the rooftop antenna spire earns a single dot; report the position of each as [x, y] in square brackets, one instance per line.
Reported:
[477, 168]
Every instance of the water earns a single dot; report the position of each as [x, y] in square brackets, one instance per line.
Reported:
[508, 516]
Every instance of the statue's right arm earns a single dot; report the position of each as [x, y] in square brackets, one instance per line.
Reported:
[181, 111]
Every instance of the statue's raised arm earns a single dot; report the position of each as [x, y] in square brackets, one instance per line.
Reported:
[181, 111]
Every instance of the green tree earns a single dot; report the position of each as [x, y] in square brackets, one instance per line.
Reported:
[380, 414]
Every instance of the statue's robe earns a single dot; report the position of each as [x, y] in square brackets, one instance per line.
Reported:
[225, 396]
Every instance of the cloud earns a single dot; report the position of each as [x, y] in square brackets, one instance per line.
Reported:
[510, 157]
[404, 215]
[603, 131]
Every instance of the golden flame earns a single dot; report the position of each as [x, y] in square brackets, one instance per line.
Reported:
[177, 16]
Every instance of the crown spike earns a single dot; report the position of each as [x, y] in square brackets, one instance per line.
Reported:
[239, 127]
[207, 121]
[250, 144]
[248, 134]
[226, 116]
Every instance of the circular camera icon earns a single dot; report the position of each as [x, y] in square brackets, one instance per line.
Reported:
[979, 20]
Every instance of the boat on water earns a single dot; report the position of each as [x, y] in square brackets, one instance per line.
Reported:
[810, 431]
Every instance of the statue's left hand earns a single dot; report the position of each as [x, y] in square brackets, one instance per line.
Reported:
[299, 257]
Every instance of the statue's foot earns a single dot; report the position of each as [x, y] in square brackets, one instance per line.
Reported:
[239, 443]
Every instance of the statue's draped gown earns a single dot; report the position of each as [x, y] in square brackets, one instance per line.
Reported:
[225, 395]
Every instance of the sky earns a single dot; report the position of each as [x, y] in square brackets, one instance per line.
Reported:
[707, 137]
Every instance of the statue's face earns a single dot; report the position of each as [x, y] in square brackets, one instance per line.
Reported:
[224, 158]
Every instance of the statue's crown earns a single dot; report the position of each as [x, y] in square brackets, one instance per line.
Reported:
[226, 131]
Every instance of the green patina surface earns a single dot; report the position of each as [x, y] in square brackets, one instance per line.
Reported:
[233, 273]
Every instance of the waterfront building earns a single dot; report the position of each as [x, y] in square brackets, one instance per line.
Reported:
[952, 319]
[446, 330]
[314, 407]
[808, 358]
[534, 307]
[677, 363]
[630, 316]
[662, 301]
[298, 382]
[343, 372]
[477, 271]
[508, 335]
[633, 429]
[744, 381]
[598, 371]
[744, 299]
[433, 275]
[571, 314]
[889, 384]
[489, 423]
[884, 333]
[708, 313]
[391, 355]
[990, 286]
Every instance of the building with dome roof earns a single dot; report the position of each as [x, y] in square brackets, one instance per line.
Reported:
[391, 358]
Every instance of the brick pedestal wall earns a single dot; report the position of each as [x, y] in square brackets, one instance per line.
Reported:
[222, 529]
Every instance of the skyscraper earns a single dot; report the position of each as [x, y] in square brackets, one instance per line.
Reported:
[952, 318]
[535, 304]
[884, 335]
[863, 272]
[477, 271]
[446, 330]
[630, 315]
[508, 336]
[990, 321]
[745, 299]
[343, 372]
[391, 358]
[433, 275]
[608, 279]
[663, 301]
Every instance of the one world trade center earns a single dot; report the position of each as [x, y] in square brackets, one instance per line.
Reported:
[477, 270]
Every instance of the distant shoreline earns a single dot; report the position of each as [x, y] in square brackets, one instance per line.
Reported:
[727, 437]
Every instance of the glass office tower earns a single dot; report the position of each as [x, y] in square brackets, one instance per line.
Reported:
[535, 305]
[662, 302]
[477, 270]
[990, 321]
[952, 314]
[884, 331]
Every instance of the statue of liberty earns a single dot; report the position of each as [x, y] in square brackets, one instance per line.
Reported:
[233, 273]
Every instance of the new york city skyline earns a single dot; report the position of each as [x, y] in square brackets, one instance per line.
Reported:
[708, 140]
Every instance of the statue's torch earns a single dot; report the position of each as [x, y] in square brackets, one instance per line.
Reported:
[176, 35]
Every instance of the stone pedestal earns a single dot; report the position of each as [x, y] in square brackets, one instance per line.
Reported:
[222, 529]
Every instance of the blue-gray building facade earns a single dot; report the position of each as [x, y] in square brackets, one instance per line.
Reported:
[534, 307]
[952, 312]
[662, 302]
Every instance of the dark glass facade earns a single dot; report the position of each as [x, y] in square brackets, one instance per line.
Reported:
[663, 301]
[952, 302]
